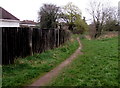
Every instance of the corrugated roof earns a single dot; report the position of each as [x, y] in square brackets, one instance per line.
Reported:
[7, 15]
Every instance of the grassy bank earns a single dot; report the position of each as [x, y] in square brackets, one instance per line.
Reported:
[98, 66]
[28, 69]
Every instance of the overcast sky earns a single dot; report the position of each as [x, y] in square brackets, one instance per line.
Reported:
[28, 9]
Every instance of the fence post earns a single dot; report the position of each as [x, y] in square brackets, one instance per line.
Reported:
[55, 37]
[0, 41]
[0, 46]
[58, 36]
[30, 40]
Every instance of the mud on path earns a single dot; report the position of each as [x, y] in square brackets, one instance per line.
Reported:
[53, 73]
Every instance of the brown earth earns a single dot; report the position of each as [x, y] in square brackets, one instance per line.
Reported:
[104, 35]
[109, 35]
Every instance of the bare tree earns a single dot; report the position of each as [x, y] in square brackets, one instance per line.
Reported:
[100, 14]
[48, 15]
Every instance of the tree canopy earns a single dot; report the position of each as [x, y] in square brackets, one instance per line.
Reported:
[51, 15]
[48, 15]
[73, 16]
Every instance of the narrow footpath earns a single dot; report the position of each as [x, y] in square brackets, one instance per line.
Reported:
[42, 81]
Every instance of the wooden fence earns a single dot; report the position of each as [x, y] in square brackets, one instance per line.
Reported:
[22, 42]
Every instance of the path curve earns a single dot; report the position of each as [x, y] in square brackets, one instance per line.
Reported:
[53, 73]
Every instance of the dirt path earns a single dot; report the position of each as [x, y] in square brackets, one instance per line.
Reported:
[53, 73]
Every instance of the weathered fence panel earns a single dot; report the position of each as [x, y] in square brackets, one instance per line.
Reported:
[22, 42]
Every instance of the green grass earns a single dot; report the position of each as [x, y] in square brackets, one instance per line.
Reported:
[27, 70]
[0, 76]
[98, 66]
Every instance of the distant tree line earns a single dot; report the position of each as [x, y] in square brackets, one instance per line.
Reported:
[104, 17]
[51, 16]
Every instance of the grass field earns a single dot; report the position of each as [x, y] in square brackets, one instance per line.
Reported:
[26, 70]
[98, 66]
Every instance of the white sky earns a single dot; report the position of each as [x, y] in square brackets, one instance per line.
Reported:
[28, 9]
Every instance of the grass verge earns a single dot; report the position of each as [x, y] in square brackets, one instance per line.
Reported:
[28, 69]
[98, 66]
